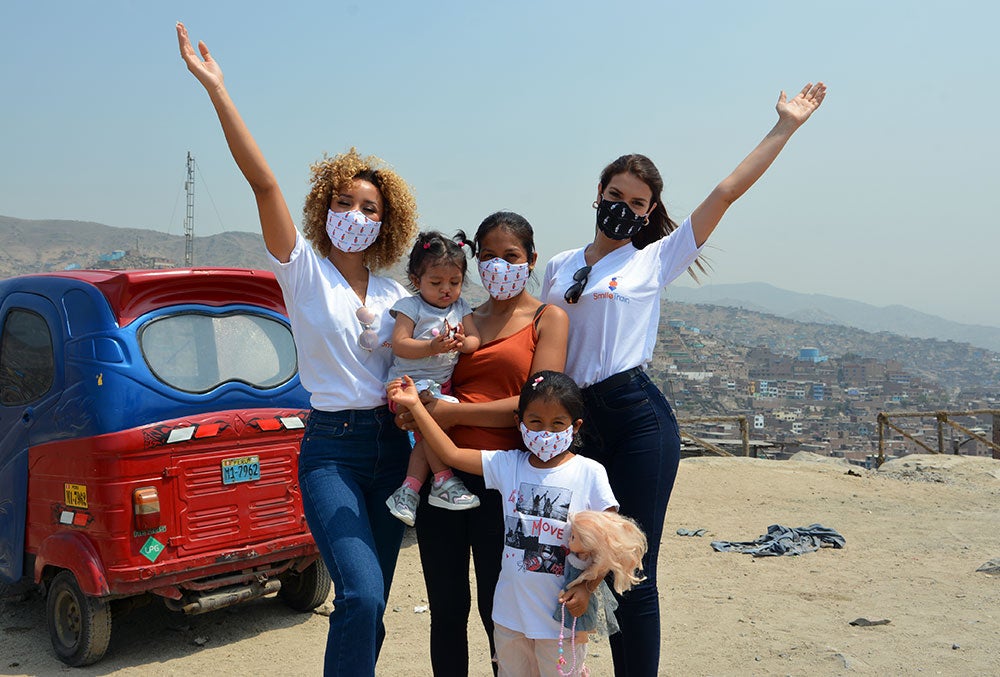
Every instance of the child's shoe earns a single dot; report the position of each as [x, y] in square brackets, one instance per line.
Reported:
[452, 495]
[403, 505]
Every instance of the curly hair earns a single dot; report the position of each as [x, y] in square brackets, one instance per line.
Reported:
[614, 543]
[399, 215]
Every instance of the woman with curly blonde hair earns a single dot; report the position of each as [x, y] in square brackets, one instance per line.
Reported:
[359, 216]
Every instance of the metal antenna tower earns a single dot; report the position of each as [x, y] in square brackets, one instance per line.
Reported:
[189, 217]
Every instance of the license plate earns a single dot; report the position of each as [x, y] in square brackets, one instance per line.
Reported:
[243, 469]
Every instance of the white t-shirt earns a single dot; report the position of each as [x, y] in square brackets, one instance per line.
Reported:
[613, 326]
[536, 505]
[426, 318]
[337, 372]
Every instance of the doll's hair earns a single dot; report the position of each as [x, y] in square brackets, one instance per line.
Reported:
[614, 543]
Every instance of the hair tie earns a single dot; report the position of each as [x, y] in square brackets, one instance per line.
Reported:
[427, 245]
[534, 384]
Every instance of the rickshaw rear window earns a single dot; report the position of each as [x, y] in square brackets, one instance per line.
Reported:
[196, 352]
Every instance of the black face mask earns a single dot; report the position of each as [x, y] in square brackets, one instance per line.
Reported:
[617, 220]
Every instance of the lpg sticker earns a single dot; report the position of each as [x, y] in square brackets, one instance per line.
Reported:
[152, 549]
[76, 495]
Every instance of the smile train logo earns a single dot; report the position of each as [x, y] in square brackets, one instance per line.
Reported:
[612, 293]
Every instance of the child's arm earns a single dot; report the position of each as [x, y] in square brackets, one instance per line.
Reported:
[404, 345]
[402, 392]
[467, 336]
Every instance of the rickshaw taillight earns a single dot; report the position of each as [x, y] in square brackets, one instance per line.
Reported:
[146, 505]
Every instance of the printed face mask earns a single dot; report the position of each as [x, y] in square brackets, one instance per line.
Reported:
[546, 445]
[351, 231]
[503, 280]
[617, 220]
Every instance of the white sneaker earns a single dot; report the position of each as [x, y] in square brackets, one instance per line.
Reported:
[403, 505]
[452, 495]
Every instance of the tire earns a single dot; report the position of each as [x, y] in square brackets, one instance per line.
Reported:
[306, 590]
[79, 626]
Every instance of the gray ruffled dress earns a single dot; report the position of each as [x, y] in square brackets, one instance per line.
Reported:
[600, 614]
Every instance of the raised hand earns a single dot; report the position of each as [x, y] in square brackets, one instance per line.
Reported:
[204, 68]
[802, 104]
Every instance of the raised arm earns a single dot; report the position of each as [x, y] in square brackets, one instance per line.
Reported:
[791, 115]
[276, 223]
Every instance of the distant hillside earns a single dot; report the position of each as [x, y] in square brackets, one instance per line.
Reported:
[832, 310]
[41, 246]
[949, 363]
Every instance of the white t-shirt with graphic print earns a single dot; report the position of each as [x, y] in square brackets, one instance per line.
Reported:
[536, 505]
[336, 371]
[613, 326]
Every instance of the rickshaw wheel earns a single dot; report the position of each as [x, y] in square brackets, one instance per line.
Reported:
[79, 626]
[306, 590]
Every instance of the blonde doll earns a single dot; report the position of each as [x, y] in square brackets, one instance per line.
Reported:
[599, 543]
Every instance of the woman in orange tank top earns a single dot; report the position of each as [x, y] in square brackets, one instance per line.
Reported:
[520, 336]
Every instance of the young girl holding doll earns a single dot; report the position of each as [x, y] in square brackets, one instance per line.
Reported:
[432, 328]
[549, 415]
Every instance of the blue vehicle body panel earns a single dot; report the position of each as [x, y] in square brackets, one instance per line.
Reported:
[101, 384]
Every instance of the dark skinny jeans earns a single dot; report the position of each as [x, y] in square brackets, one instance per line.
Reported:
[445, 539]
[632, 431]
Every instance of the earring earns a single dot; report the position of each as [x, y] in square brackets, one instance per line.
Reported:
[594, 205]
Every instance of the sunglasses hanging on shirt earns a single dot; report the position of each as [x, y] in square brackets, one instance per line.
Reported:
[580, 279]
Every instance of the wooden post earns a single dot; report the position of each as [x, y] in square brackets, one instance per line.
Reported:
[996, 435]
[941, 418]
[745, 434]
[881, 439]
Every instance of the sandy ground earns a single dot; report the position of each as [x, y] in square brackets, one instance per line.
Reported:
[916, 532]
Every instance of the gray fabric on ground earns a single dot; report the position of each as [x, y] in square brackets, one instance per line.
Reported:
[782, 540]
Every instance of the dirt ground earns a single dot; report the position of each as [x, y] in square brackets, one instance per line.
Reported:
[916, 532]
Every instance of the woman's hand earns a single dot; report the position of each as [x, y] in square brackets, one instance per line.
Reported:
[802, 104]
[205, 68]
[576, 599]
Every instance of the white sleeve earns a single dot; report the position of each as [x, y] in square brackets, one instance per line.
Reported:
[676, 252]
[601, 495]
[496, 467]
[547, 279]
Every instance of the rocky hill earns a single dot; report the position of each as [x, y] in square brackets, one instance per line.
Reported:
[41, 246]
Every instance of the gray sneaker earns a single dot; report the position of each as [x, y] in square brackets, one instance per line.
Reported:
[452, 495]
[403, 505]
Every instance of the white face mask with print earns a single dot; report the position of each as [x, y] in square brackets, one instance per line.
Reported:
[547, 445]
[503, 280]
[351, 231]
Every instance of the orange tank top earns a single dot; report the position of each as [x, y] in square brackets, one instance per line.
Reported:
[496, 371]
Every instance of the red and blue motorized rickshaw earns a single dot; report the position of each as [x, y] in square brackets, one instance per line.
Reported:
[150, 430]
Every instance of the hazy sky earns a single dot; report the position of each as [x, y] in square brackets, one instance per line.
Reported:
[884, 196]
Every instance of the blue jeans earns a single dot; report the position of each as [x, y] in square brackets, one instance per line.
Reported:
[632, 431]
[349, 464]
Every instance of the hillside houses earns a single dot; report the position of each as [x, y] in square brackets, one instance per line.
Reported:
[805, 399]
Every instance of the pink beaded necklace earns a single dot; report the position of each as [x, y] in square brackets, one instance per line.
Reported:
[562, 630]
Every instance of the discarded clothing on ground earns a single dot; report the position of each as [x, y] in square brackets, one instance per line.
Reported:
[782, 540]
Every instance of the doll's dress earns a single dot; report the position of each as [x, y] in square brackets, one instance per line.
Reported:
[600, 614]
